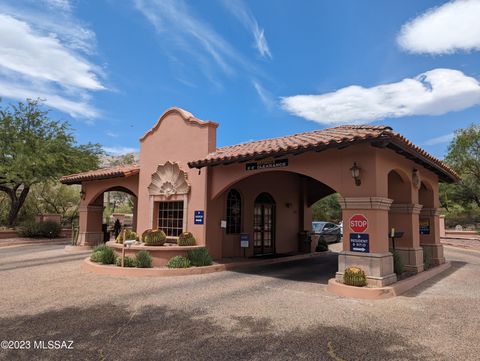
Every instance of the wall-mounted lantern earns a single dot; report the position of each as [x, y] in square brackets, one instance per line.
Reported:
[83, 194]
[356, 173]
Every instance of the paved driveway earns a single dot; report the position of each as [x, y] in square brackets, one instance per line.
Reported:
[276, 312]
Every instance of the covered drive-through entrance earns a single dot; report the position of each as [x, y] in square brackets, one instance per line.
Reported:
[255, 198]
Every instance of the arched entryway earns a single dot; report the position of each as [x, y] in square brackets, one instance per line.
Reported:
[264, 224]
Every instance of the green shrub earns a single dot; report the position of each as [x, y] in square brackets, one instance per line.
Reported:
[100, 248]
[199, 257]
[144, 260]
[178, 262]
[322, 245]
[127, 262]
[47, 229]
[354, 276]
[155, 238]
[50, 229]
[129, 234]
[104, 255]
[186, 239]
[96, 256]
[30, 229]
[397, 263]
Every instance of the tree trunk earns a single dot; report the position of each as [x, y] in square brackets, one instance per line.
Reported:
[16, 204]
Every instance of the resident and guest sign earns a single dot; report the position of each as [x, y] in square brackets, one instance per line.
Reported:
[267, 164]
[359, 241]
[198, 217]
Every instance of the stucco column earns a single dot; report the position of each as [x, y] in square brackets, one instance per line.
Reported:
[430, 241]
[90, 224]
[404, 217]
[378, 262]
[135, 210]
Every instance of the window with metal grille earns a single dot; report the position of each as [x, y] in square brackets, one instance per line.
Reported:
[234, 212]
[170, 218]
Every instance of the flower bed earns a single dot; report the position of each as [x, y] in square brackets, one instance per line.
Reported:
[160, 254]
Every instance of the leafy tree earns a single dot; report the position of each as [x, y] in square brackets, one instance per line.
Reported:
[462, 200]
[36, 149]
[327, 209]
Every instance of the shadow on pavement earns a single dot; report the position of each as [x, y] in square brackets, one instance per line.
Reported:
[456, 265]
[111, 332]
[312, 270]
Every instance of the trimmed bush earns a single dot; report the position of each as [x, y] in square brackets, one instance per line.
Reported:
[178, 262]
[104, 255]
[322, 245]
[397, 263]
[199, 257]
[354, 276]
[186, 239]
[129, 234]
[155, 238]
[144, 259]
[127, 262]
[96, 257]
[47, 229]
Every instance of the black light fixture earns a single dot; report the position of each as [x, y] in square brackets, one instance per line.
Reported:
[356, 173]
[82, 194]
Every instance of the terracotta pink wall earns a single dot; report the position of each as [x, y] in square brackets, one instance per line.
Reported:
[177, 139]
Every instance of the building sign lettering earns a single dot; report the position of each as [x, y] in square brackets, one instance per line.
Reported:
[267, 164]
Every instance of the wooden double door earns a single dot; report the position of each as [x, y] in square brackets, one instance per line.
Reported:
[264, 225]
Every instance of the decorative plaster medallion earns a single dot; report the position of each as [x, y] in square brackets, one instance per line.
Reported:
[416, 179]
[168, 180]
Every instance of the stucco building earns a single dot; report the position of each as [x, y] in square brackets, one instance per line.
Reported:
[261, 192]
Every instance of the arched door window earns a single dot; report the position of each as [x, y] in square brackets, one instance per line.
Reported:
[234, 212]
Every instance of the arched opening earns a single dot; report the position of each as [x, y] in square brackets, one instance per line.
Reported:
[264, 224]
[115, 204]
[271, 209]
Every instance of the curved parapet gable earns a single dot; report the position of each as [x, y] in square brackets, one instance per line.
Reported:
[186, 116]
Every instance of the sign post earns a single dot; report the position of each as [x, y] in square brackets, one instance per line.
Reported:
[244, 242]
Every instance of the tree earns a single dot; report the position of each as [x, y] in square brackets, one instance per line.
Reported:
[464, 157]
[327, 209]
[35, 149]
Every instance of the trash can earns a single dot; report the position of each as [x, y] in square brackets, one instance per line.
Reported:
[106, 233]
[304, 242]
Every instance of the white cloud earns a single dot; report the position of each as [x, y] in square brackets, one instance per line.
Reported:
[43, 54]
[434, 92]
[446, 29]
[189, 33]
[264, 95]
[112, 134]
[447, 138]
[120, 150]
[243, 13]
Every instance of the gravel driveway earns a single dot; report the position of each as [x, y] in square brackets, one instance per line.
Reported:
[276, 312]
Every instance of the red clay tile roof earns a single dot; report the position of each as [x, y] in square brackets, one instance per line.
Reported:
[318, 140]
[104, 173]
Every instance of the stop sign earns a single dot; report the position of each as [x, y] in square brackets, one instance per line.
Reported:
[358, 223]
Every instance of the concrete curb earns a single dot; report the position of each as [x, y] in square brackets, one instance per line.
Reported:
[112, 270]
[77, 249]
[391, 291]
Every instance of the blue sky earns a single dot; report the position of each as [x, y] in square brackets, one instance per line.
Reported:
[259, 68]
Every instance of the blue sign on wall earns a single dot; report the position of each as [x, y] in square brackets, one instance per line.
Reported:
[359, 242]
[199, 217]
[244, 240]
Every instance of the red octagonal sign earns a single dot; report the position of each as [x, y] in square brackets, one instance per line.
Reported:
[358, 223]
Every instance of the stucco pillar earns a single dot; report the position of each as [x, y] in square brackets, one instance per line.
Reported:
[430, 241]
[135, 209]
[90, 223]
[404, 217]
[378, 262]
